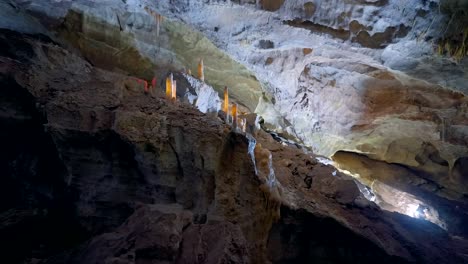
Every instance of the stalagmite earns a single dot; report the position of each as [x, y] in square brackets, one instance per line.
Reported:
[174, 90]
[201, 73]
[226, 103]
[234, 115]
[169, 87]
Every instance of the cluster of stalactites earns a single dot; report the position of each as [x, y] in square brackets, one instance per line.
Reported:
[171, 84]
[232, 116]
[230, 110]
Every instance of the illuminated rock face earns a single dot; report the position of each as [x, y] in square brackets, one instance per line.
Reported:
[204, 97]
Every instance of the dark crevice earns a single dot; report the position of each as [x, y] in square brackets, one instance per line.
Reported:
[180, 175]
[360, 33]
[315, 27]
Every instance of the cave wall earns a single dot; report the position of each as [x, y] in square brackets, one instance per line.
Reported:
[361, 76]
[117, 153]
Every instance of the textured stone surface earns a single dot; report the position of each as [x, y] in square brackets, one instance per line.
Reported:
[133, 173]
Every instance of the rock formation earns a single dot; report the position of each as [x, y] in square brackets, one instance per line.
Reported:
[101, 169]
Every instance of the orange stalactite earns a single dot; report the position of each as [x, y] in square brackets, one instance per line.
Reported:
[234, 115]
[201, 71]
[169, 87]
[226, 102]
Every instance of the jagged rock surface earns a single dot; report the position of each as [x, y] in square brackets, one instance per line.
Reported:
[147, 180]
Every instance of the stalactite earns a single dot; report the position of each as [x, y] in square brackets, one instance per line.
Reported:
[234, 115]
[169, 87]
[201, 73]
[226, 103]
[157, 17]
